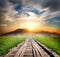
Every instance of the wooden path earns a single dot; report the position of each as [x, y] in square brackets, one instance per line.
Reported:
[29, 48]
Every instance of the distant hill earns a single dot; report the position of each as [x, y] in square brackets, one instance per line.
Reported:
[48, 33]
[20, 31]
[16, 31]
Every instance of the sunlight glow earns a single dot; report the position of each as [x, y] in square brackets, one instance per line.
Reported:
[31, 26]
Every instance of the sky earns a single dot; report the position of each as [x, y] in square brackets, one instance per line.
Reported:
[15, 14]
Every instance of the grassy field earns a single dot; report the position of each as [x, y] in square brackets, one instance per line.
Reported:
[7, 42]
[50, 42]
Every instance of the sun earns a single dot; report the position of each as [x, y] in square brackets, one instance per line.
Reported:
[31, 26]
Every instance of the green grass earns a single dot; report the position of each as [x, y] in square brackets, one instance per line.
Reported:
[50, 42]
[7, 42]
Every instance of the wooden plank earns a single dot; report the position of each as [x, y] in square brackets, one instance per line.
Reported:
[39, 50]
[27, 49]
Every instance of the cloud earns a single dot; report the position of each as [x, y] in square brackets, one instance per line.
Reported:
[3, 3]
[8, 13]
[43, 11]
[16, 1]
[53, 5]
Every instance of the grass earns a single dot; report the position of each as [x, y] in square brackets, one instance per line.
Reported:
[7, 42]
[50, 42]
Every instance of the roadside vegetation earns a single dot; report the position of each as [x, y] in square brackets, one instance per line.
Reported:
[8, 42]
[51, 42]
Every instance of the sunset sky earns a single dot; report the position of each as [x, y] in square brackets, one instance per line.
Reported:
[43, 15]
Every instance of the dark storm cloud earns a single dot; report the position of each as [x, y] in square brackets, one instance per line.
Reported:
[16, 1]
[53, 5]
[3, 3]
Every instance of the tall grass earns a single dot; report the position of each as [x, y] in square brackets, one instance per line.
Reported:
[7, 43]
[50, 42]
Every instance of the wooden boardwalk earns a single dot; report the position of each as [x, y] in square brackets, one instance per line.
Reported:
[29, 48]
